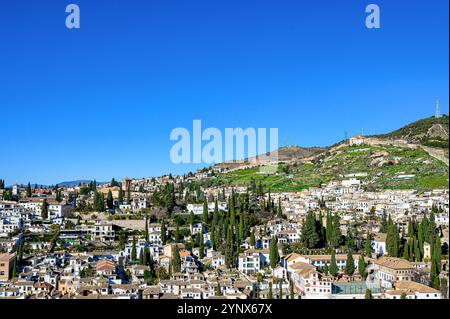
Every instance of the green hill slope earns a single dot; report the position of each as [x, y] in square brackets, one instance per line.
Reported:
[380, 167]
[429, 132]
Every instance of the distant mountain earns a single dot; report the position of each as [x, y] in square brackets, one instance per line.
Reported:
[77, 182]
[285, 154]
[429, 132]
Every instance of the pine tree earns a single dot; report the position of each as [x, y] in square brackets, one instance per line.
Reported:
[333, 264]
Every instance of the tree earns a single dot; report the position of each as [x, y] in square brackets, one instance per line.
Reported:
[280, 286]
[368, 294]
[333, 264]
[310, 237]
[274, 256]
[252, 239]
[163, 233]
[205, 212]
[326, 269]
[14, 269]
[367, 245]
[176, 260]
[336, 230]
[146, 229]
[177, 234]
[291, 290]
[110, 200]
[29, 190]
[133, 250]
[120, 199]
[270, 293]
[128, 195]
[362, 267]
[218, 290]
[44, 209]
[350, 264]
[229, 249]
[202, 246]
[403, 295]
[191, 218]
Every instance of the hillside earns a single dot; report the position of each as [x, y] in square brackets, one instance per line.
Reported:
[285, 154]
[380, 167]
[383, 165]
[429, 132]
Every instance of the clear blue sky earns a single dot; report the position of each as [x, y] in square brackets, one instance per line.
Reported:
[101, 101]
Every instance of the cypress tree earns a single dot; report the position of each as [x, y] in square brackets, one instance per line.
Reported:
[270, 293]
[329, 230]
[177, 234]
[362, 267]
[14, 269]
[163, 233]
[133, 250]
[333, 264]
[176, 260]
[44, 209]
[274, 256]
[202, 246]
[350, 264]
[281, 289]
[120, 199]
[110, 200]
[367, 246]
[205, 212]
[252, 239]
[29, 190]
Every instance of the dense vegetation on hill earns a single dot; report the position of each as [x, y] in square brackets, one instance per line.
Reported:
[429, 132]
[383, 167]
